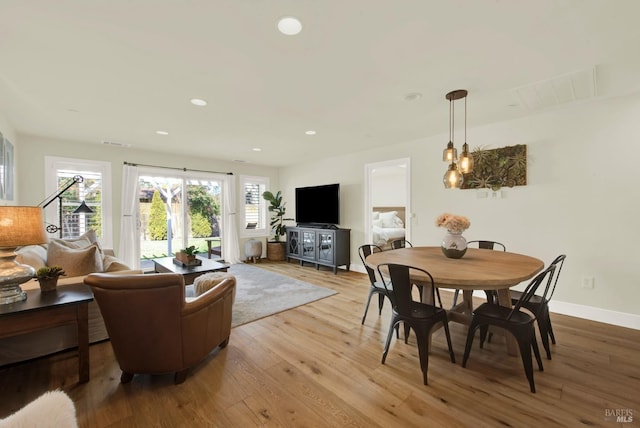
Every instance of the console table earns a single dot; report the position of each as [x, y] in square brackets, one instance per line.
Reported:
[69, 304]
[322, 247]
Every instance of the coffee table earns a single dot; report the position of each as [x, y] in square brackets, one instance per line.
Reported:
[166, 265]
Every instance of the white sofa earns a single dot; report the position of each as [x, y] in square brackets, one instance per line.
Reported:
[78, 257]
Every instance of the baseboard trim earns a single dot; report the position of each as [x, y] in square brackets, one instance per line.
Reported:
[607, 316]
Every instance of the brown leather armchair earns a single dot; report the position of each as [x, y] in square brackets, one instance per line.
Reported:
[153, 329]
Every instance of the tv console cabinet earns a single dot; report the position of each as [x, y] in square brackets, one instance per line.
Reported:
[322, 247]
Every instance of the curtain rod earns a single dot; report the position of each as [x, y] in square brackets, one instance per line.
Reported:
[179, 169]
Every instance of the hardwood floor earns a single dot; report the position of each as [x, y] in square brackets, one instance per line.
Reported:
[316, 365]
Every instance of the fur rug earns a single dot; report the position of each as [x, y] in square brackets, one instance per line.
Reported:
[53, 409]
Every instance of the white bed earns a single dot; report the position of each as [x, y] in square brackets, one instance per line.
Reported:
[387, 225]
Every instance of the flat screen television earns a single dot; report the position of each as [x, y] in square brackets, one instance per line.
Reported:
[318, 205]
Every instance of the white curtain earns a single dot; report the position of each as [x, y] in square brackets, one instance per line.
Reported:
[129, 250]
[230, 246]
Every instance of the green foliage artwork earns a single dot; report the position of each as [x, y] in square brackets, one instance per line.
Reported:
[157, 218]
[496, 168]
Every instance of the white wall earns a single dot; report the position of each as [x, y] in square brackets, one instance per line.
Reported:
[580, 199]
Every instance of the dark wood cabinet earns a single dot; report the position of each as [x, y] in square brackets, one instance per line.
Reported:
[321, 247]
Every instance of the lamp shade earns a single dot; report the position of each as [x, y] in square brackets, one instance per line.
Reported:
[21, 226]
[83, 208]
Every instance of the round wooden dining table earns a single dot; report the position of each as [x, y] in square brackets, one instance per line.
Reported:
[478, 269]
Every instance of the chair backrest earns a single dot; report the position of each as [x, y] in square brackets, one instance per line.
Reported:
[558, 262]
[400, 276]
[365, 251]
[487, 245]
[533, 287]
[400, 243]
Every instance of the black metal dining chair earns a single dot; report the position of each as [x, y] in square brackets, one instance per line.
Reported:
[514, 320]
[377, 287]
[417, 316]
[400, 243]
[539, 305]
[483, 245]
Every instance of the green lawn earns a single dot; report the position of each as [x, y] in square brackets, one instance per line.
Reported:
[153, 249]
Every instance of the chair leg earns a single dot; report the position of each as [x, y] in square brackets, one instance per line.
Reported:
[445, 323]
[366, 307]
[467, 348]
[536, 350]
[525, 352]
[484, 329]
[543, 324]
[393, 325]
[380, 303]
[455, 297]
[422, 337]
[126, 377]
[550, 331]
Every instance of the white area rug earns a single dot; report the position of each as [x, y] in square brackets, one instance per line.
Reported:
[260, 293]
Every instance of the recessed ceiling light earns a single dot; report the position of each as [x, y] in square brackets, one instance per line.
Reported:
[412, 96]
[257, 149]
[162, 133]
[289, 25]
[198, 102]
[310, 132]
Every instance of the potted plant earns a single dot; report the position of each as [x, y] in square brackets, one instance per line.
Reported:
[47, 276]
[187, 256]
[277, 208]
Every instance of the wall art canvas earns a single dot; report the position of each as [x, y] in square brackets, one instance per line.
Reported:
[496, 168]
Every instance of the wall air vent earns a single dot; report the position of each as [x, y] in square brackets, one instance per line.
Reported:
[567, 88]
[115, 144]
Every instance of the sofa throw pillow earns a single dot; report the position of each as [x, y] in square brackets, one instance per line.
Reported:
[388, 218]
[75, 261]
[113, 264]
[32, 255]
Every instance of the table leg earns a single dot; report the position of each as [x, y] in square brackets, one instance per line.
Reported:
[83, 342]
[208, 248]
[504, 299]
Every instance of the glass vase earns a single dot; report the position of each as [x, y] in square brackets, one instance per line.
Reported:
[454, 245]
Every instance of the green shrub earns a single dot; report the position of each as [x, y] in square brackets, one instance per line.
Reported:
[200, 227]
[157, 218]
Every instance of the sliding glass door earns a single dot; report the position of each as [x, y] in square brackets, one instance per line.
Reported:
[178, 210]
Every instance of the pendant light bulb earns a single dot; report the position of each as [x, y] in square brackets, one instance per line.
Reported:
[452, 178]
[450, 153]
[466, 160]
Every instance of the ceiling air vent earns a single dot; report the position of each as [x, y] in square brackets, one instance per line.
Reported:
[115, 144]
[559, 90]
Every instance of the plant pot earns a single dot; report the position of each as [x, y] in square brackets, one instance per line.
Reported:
[48, 284]
[276, 251]
[185, 258]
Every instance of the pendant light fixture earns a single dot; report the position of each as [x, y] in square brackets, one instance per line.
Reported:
[453, 178]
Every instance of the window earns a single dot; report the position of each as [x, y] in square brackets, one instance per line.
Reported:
[88, 182]
[178, 210]
[254, 214]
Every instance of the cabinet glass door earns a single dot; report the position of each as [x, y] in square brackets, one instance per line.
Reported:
[325, 247]
[293, 240]
[309, 245]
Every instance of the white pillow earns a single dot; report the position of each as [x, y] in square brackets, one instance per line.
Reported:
[75, 261]
[375, 215]
[397, 221]
[377, 223]
[387, 218]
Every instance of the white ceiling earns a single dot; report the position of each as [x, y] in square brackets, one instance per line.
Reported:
[118, 70]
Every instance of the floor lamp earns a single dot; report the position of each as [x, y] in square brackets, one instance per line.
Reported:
[19, 226]
[52, 228]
